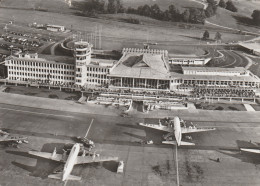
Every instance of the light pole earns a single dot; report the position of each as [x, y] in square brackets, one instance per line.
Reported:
[177, 166]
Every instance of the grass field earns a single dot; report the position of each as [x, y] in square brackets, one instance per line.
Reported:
[50, 5]
[239, 20]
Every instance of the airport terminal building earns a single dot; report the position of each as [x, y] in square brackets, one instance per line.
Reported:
[152, 71]
[137, 69]
[80, 70]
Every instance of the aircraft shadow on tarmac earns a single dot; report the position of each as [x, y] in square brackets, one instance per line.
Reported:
[247, 157]
[44, 167]
[150, 134]
[37, 134]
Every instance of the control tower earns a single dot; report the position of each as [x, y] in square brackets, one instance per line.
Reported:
[82, 54]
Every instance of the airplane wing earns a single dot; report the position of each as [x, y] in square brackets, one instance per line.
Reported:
[251, 150]
[47, 155]
[90, 159]
[12, 139]
[175, 143]
[186, 130]
[158, 127]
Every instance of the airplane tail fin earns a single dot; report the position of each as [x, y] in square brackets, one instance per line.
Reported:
[175, 143]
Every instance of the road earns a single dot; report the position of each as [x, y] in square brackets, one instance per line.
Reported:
[232, 59]
[117, 136]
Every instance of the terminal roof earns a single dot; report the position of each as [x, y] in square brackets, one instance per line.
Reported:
[58, 59]
[141, 66]
[102, 62]
[48, 59]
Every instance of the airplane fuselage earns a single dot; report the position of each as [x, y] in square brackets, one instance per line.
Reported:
[177, 130]
[70, 161]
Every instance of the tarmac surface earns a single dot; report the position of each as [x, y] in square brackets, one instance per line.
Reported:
[49, 124]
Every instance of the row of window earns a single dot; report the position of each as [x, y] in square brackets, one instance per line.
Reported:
[96, 69]
[97, 75]
[40, 64]
[211, 72]
[41, 70]
[41, 76]
[43, 81]
[81, 58]
[99, 81]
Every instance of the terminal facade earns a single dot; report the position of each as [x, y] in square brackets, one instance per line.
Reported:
[137, 69]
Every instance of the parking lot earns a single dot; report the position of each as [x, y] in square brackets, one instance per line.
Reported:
[16, 39]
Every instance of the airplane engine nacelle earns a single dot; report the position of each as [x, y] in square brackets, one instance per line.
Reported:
[84, 153]
[54, 152]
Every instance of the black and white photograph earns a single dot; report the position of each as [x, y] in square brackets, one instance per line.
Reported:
[129, 92]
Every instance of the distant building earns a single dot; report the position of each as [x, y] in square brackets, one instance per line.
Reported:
[253, 48]
[188, 61]
[55, 28]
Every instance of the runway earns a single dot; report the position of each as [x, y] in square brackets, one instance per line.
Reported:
[118, 136]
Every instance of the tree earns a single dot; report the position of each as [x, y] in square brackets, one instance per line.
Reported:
[112, 7]
[209, 11]
[230, 6]
[166, 15]
[205, 35]
[186, 15]
[256, 17]
[222, 4]
[218, 36]
[197, 16]
[131, 10]
[146, 10]
[140, 10]
[119, 7]
[213, 4]
[174, 13]
[155, 11]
